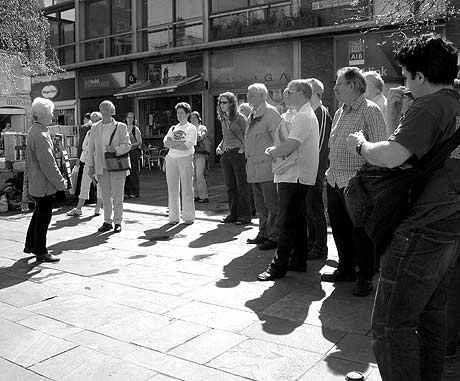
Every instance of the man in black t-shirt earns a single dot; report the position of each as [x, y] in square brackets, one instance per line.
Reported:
[408, 322]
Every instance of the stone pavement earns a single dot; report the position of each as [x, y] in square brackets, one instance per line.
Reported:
[153, 303]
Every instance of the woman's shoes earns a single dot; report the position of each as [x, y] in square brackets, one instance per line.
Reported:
[105, 227]
[229, 220]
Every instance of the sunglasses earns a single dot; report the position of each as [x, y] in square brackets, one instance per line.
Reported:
[223, 102]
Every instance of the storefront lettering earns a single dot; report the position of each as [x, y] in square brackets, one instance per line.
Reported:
[14, 101]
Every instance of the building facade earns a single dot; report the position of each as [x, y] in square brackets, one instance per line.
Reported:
[147, 55]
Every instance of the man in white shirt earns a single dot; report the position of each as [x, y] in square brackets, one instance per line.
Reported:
[294, 182]
[374, 92]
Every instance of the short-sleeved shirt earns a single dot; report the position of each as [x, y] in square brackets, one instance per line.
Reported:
[305, 130]
[184, 133]
[363, 115]
[430, 121]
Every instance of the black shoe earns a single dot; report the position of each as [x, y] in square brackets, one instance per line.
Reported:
[338, 276]
[315, 254]
[362, 288]
[269, 275]
[196, 198]
[117, 228]
[243, 221]
[229, 220]
[255, 241]
[27, 250]
[47, 258]
[267, 245]
[297, 268]
[105, 227]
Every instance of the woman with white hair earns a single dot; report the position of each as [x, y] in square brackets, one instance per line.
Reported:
[44, 179]
[86, 180]
[111, 136]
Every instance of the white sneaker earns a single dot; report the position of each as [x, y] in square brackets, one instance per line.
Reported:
[74, 212]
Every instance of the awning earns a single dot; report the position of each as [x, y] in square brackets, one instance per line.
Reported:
[147, 88]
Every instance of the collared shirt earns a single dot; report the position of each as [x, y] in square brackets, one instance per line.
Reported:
[258, 137]
[135, 136]
[362, 115]
[306, 131]
[233, 133]
[185, 133]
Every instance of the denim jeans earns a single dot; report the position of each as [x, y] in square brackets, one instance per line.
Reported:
[234, 170]
[409, 315]
[316, 219]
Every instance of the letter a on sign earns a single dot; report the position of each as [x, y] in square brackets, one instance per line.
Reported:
[356, 52]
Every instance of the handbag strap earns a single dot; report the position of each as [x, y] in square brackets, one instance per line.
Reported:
[113, 134]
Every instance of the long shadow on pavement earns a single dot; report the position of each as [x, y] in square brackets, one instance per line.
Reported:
[80, 243]
[222, 233]
[70, 222]
[18, 272]
[163, 233]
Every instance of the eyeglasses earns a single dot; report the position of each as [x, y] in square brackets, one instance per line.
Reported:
[288, 92]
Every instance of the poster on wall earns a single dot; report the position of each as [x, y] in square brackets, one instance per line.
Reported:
[356, 52]
[173, 72]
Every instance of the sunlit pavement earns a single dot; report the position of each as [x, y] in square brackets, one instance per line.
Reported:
[158, 302]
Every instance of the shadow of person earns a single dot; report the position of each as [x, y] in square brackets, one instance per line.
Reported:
[163, 233]
[222, 233]
[342, 312]
[18, 272]
[69, 222]
[81, 243]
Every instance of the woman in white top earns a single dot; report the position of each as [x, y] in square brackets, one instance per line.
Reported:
[85, 179]
[112, 183]
[181, 140]
[200, 158]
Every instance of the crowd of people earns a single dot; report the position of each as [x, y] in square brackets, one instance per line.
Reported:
[280, 163]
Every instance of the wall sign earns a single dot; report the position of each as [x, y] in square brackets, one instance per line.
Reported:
[356, 52]
[49, 91]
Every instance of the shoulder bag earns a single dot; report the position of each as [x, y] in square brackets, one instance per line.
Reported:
[116, 162]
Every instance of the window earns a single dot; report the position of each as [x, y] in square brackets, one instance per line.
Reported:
[155, 12]
[189, 35]
[97, 19]
[49, 3]
[225, 5]
[68, 26]
[187, 9]
[62, 34]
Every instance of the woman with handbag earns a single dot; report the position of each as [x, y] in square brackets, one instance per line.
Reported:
[132, 181]
[200, 158]
[108, 159]
[233, 160]
[181, 141]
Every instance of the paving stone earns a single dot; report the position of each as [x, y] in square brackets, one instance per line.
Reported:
[260, 360]
[20, 292]
[84, 364]
[354, 347]
[102, 343]
[334, 369]
[13, 313]
[25, 346]
[214, 316]
[12, 372]
[207, 346]
[81, 311]
[304, 336]
[50, 326]
[162, 377]
[175, 367]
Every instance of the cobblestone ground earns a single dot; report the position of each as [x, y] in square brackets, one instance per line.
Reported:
[153, 303]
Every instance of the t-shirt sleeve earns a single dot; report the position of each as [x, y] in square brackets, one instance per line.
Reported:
[300, 128]
[417, 130]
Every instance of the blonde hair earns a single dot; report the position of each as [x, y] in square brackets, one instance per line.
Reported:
[95, 116]
[40, 106]
[107, 105]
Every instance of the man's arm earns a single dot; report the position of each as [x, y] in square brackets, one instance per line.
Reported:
[284, 149]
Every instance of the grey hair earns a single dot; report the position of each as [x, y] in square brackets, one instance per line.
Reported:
[95, 115]
[259, 88]
[355, 76]
[376, 79]
[316, 86]
[302, 86]
[40, 106]
[107, 105]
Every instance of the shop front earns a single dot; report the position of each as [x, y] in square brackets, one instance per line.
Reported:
[235, 69]
[163, 84]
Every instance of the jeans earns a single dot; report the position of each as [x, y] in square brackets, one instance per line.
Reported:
[112, 186]
[266, 201]
[179, 176]
[38, 226]
[353, 245]
[316, 219]
[132, 181]
[234, 171]
[199, 180]
[292, 241]
[453, 308]
[409, 315]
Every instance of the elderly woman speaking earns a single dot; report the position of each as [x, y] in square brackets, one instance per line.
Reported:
[109, 136]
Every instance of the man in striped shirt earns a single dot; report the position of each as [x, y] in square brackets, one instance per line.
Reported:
[356, 114]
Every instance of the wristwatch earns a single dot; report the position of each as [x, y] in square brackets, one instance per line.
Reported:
[359, 146]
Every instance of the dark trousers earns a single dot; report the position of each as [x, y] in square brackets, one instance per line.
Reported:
[409, 315]
[234, 171]
[292, 240]
[266, 201]
[453, 308]
[316, 219]
[353, 245]
[132, 181]
[38, 227]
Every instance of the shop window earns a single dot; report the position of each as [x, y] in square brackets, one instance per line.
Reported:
[187, 9]
[155, 12]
